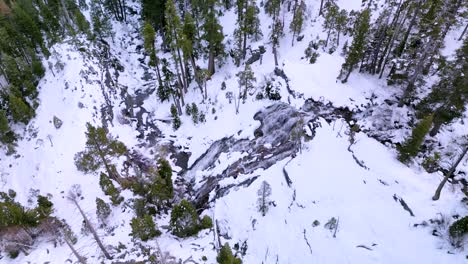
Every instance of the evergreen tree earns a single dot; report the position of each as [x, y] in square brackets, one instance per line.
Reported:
[437, 18]
[176, 38]
[117, 8]
[246, 80]
[263, 201]
[153, 12]
[144, 228]
[176, 123]
[248, 27]
[102, 26]
[162, 189]
[273, 8]
[103, 210]
[298, 19]
[410, 147]
[330, 19]
[213, 35]
[449, 96]
[109, 189]
[184, 220]
[357, 48]
[225, 256]
[6, 135]
[20, 111]
[149, 36]
[101, 147]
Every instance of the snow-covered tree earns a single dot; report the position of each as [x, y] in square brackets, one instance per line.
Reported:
[263, 200]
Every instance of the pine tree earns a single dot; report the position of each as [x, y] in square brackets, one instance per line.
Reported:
[248, 27]
[298, 19]
[357, 48]
[101, 147]
[176, 123]
[330, 19]
[410, 147]
[213, 35]
[20, 111]
[5, 130]
[436, 20]
[144, 228]
[153, 12]
[246, 80]
[117, 8]
[102, 26]
[109, 189]
[162, 189]
[225, 256]
[263, 201]
[449, 96]
[175, 38]
[184, 220]
[189, 42]
[273, 8]
[149, 36]
[103, 210]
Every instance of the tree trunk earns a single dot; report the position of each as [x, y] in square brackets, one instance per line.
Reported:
[177, 104]
[158, 73]
[80, 258]
[179, 81]
[384, 58]
[463, 33]
[275, 55]
[93, 231]
[328, 36]
[244, 45]
[211, 62]
[417, 72]
[345, 80]
[184, 78]
[111, 173]
[402, 45]
[321, 8]
[197, 74]
[67, 16]
[448, 175]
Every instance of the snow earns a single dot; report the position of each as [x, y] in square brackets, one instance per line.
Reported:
[365, 208]
[327, 181]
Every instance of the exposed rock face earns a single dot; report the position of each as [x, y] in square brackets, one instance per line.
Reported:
[14, 238]
[272, 143]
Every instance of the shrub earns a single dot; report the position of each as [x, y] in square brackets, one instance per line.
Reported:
[272, 92]
[410, 147]
[13, 254]
[176, 123]
[162, 188]
[163, 93]
[206, 222]
[188, 109]
[459, 228]
[103, 210]
[109, 189]
[225, 256]
[202, 117]
[195, 113]
[144, 228]
[184, 220]
[44, 206]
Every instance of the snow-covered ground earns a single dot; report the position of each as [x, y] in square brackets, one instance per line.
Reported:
[373, 226]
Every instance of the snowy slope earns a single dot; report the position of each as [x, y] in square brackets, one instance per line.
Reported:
[327, 182]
